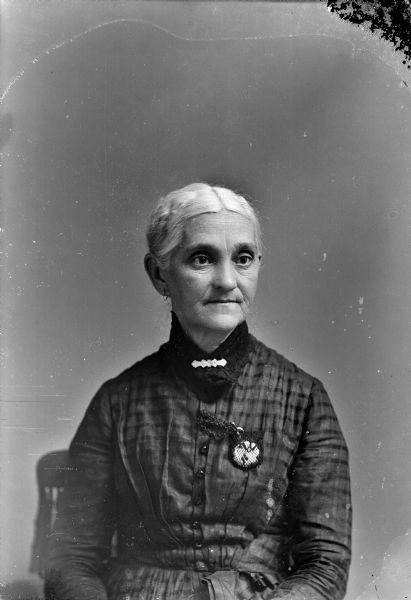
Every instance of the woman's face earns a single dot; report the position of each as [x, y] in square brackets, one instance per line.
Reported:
[212, 276]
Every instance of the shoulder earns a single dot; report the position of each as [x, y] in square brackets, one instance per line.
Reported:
[141, 370]
[112, 394]
[301, 397]
[274, 365]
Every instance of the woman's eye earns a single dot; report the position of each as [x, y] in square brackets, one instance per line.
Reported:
[199, 260]
[244, 260]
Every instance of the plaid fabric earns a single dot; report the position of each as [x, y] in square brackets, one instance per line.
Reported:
[188, 521]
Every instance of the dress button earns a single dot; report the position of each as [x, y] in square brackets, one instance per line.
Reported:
[198, 545]
[198, 500]
[204, 449]
[200, 473]
[195, 525]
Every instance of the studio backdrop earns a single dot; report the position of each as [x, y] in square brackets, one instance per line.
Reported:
[109, 105]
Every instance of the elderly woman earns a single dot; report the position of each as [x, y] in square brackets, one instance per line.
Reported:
[219, 463]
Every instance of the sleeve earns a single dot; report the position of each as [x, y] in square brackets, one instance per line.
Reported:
[318, 505]
[85, 519]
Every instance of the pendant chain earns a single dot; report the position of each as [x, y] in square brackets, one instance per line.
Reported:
[217, 428]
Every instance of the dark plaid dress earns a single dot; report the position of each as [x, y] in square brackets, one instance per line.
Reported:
[191, 524]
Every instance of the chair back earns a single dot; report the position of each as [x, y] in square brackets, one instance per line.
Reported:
[52, 471]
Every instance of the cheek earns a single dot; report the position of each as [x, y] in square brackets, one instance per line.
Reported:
[196, 282]
[249, 285]
[189, 289]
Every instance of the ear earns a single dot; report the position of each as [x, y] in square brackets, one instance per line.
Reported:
[155, 273]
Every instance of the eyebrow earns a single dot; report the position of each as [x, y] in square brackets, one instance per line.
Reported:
[204, 247]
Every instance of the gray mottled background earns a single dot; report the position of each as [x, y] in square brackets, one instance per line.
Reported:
[107, 105]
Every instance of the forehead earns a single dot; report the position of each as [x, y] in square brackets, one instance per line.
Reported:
[224, 228]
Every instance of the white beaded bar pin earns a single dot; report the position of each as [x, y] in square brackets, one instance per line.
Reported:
[214, 362]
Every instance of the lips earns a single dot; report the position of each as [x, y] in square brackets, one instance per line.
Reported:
[221, 301]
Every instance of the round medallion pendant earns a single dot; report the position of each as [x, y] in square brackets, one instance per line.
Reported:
[246, 454]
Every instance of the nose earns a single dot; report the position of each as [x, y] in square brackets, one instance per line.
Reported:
[225, 276]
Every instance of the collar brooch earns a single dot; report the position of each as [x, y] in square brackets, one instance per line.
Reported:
[213, 362]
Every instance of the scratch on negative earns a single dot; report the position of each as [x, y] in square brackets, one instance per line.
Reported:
[92, 28]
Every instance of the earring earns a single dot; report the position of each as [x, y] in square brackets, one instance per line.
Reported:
[165, 295]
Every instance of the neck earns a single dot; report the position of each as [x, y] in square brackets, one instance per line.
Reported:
[205, 340]
[208, 381]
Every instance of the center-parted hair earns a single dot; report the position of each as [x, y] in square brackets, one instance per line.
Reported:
[167, 221]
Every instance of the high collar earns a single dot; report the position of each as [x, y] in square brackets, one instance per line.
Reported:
[208, 381]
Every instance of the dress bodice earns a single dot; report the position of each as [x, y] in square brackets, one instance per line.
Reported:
[184, 513]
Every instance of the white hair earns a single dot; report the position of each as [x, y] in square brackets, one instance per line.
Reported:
[167, 221]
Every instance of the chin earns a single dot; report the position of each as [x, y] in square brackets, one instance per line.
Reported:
[223, 323]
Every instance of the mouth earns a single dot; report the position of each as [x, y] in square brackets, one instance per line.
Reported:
[218, 301]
